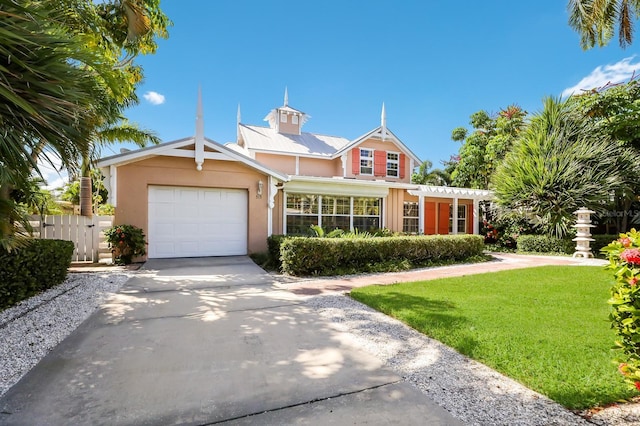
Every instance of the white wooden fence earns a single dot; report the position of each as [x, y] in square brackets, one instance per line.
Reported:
[85, 233]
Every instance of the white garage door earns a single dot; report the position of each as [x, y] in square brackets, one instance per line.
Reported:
[192, 222]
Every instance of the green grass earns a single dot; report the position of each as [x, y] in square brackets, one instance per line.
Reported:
[545, 327]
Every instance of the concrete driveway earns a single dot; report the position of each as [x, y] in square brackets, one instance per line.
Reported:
[207, 341]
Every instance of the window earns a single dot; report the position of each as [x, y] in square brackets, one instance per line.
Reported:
[331, 212]
[302, 212]
[283, 117]
[366, 213]
[410, 219]
[461, 219]
[336, 213]
[366, 161]
[294, 119]
[393, 161]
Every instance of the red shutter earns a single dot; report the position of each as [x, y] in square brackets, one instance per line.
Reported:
[355, 161]
[430, 218]
[443, 218]
[470, 218]
[401, 165]
[380, 163]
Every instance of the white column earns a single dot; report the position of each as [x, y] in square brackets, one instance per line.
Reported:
[476, 216]
[343, 159]
[297, 165]
[454, 217]
[284, 212]
[421, 215]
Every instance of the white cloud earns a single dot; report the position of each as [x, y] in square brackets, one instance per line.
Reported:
[154, 98]
[50, 167]
[611, 73]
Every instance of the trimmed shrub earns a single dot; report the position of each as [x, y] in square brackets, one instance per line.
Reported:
[125, 241]
[334, 256]
[30, 270]
[545, 244]
[273, 246]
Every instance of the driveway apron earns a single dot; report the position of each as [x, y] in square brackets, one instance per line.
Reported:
[205, 341]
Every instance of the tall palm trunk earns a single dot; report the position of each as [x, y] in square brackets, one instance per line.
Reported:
[86, 199]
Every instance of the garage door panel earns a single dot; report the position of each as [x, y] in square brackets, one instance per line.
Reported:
[190, 222]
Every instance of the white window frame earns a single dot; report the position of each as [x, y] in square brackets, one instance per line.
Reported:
[367, 158]
[458, 219]
[416, 217]
[283, 117]
[294, 119]
[396, 162]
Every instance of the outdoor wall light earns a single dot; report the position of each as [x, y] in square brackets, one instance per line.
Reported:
[260, 185]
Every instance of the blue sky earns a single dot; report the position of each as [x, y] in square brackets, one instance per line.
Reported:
[431, 63]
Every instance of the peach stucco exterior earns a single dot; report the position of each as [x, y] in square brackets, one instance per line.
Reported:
[135, 178]
[378, 145]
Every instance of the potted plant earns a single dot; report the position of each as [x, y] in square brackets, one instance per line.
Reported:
[126, 242]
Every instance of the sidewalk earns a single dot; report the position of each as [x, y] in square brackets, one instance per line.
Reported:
[502, 262]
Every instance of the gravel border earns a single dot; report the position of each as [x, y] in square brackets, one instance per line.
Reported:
[469, 390]
[31, 329]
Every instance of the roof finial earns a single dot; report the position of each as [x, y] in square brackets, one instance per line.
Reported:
[286, 96]
[199, 139]
[383, 122]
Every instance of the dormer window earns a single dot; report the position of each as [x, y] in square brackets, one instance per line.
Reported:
[366, 161]
[294, 119]
[393, 161]
[283, 117]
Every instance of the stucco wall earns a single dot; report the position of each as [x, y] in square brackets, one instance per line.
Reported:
[281, 163]
[134, 179]
[318, 167]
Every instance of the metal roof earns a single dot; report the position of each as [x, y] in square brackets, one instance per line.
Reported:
[267, 139]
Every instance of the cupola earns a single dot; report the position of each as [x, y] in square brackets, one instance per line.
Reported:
[286, 119]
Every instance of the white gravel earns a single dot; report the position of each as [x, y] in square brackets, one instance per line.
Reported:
[468, 389]
[31, 329]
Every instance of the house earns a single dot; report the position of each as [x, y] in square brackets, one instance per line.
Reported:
[197, 197]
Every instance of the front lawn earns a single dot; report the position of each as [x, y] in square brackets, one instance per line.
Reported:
[546, 327]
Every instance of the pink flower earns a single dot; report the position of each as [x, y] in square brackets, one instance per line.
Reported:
[622, 368]
[626, 241]
[633, 281]
[631, 256]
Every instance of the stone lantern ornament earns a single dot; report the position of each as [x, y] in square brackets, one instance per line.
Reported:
[583, 236]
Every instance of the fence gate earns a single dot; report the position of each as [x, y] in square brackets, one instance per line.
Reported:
[85, 233]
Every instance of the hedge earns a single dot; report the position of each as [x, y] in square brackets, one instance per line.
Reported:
[30, 270]
[332, 256]
[545, 244]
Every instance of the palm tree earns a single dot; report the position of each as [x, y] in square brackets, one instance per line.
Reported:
[595, 20]
[111, 132]
[46, 99]
[428, 176]
[558, 166]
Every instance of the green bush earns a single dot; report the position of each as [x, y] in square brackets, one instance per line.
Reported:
[334, 256]
[273, 246]
[624, 261]
[125, 241]
[545, 244]
[30, 270]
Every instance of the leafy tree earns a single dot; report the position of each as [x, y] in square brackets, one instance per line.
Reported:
[614, 113]
[558, 166]
[426, 175]
[485, 147]
[596, 20]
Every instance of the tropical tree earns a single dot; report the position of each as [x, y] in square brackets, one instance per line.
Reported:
[120, 31]
[426, 175]
[596, 20]
[614, 112]
[485, 147]
[558, 166]
[47, 92]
